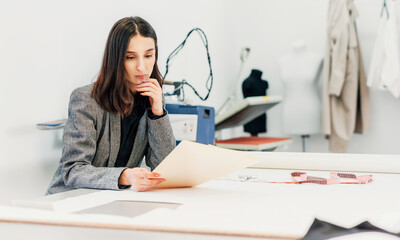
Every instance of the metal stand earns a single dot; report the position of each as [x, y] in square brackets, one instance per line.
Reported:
[303, 141]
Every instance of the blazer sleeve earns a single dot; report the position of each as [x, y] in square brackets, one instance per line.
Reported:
[161, 140]
[80, 147]
[339, 21]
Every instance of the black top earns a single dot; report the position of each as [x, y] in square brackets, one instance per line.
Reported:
[129, 126]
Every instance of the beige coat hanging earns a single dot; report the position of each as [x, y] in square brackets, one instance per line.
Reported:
[345, 95]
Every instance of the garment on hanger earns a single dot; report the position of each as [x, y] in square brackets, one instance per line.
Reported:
[384, 72]
[345, 94]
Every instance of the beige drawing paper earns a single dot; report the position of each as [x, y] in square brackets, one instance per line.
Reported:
[192, 163]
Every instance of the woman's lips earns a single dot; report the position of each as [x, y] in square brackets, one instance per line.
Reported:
[142, 77]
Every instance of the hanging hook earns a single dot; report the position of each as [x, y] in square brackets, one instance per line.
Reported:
[384, 7]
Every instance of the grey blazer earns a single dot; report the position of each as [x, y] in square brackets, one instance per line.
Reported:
[92, 140]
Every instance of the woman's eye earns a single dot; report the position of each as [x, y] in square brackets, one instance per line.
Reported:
[130, 57]
[149, 56]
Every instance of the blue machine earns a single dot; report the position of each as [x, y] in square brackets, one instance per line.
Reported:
[194, 123]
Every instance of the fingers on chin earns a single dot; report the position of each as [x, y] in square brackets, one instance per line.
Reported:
[154, 81]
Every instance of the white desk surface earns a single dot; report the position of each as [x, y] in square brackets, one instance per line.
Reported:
[223, 209]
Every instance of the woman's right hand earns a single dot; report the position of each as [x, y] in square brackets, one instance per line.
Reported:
[140, 179]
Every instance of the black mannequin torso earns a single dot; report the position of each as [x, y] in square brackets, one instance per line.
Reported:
[255, 86]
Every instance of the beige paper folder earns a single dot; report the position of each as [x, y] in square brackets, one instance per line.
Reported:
[192, 163]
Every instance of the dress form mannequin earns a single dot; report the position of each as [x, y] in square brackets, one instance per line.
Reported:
[255, 86]
[300, 71]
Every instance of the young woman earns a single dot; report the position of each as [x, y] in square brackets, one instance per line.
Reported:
[115, 122]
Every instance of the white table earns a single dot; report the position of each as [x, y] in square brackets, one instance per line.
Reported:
[223, 208]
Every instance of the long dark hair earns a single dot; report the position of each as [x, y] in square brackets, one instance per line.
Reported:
[111, 90]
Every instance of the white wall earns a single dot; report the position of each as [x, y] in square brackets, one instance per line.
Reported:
[270, 27]
[48, 48]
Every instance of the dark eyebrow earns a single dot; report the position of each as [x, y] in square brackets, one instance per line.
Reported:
[148, 50]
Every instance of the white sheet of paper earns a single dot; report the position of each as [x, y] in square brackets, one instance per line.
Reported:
[192, 163]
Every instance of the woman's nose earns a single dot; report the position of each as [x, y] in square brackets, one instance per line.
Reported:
[140, 66]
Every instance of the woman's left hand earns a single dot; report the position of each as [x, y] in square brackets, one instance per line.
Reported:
[152, 89]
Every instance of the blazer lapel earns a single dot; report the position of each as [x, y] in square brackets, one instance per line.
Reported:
[115, 138]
